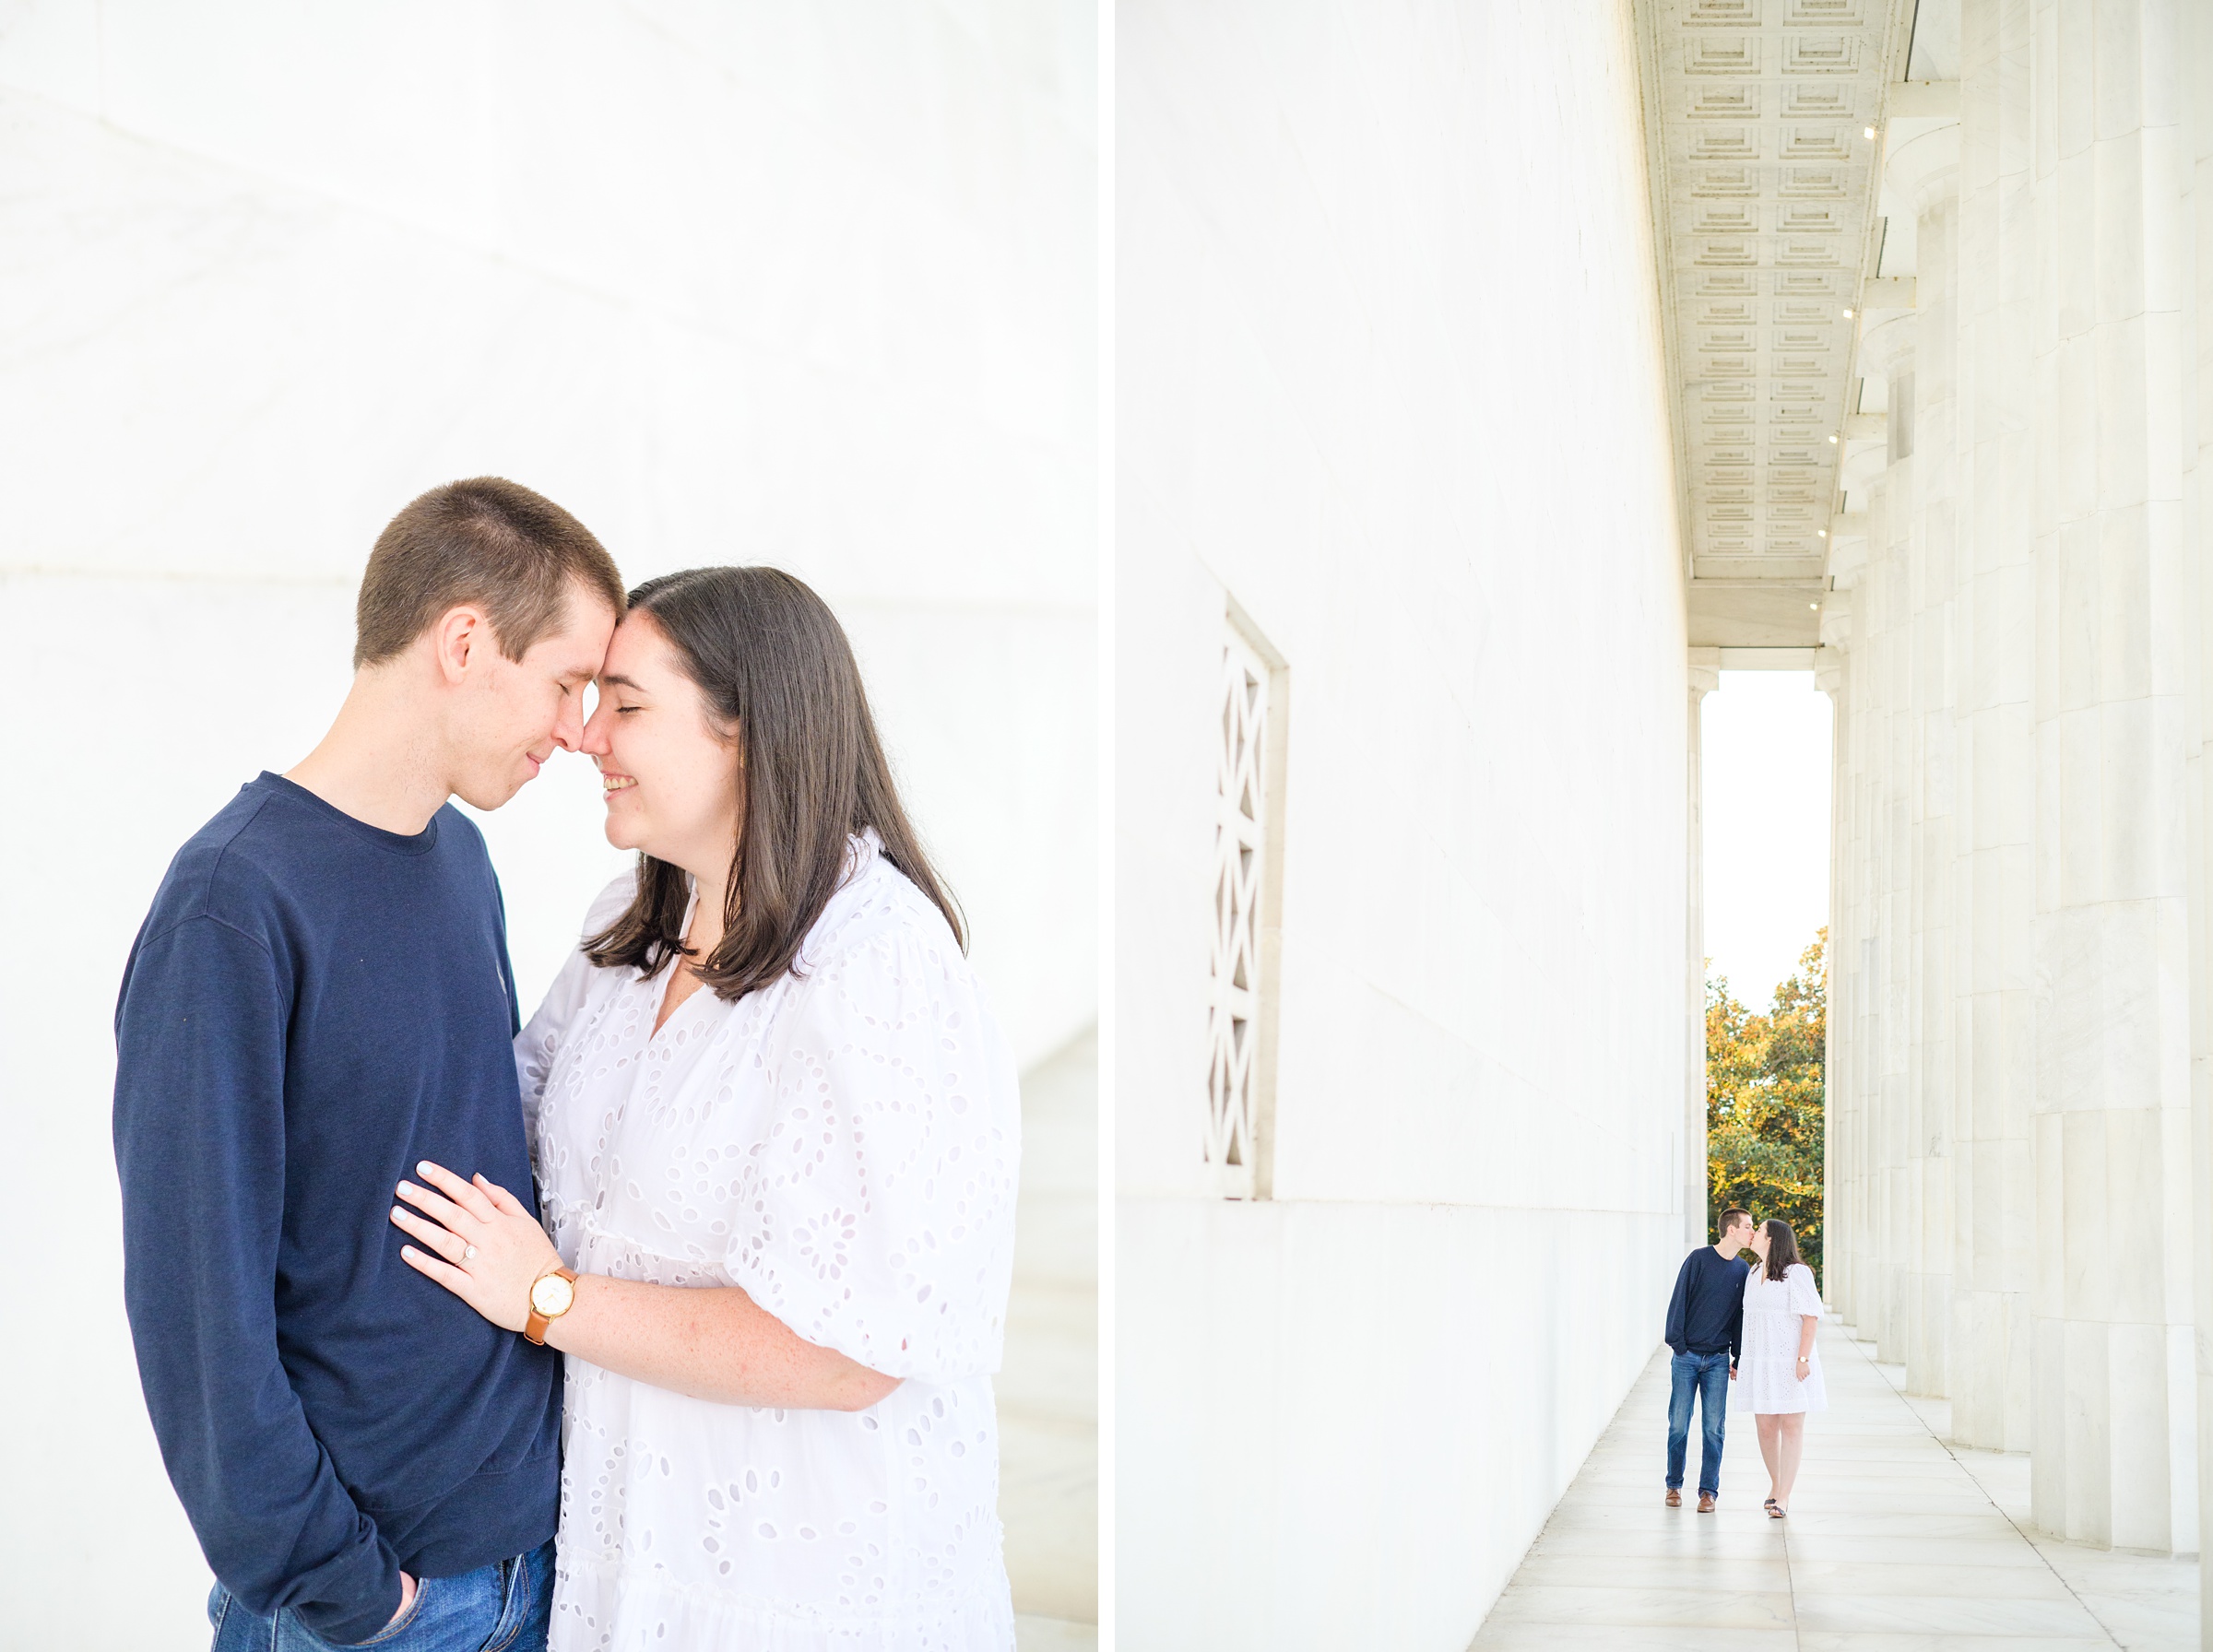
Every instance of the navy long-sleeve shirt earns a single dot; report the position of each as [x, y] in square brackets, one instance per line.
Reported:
[312, 1007]
[1707, 1312]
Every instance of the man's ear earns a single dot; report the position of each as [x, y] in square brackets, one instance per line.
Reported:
[460, 630]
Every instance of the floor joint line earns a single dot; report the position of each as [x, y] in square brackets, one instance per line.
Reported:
[1852, 1335]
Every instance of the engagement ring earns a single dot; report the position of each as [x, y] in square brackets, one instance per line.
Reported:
[468, 1252]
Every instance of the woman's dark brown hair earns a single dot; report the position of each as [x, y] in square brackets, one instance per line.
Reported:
[774, 667]
[1782, 1247]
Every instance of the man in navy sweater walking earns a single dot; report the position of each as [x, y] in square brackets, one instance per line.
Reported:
[1705, 1332]
[319, 999]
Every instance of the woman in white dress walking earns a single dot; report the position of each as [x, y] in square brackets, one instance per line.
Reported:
[782, 1207]
[1779, 1371]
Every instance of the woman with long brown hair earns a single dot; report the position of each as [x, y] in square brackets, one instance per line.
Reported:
[1778, 1373]
[775, 1132]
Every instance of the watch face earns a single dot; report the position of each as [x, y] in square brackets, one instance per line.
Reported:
[552, 1295]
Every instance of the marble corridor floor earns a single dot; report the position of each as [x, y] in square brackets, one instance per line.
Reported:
[1896, 1542]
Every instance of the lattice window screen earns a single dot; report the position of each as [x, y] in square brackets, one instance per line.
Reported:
[1237, 1022]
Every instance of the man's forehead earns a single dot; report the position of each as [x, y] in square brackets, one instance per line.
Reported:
[584, 628]
[562, 657]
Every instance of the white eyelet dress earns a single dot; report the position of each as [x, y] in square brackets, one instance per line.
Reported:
[843, 1146]
[1767, 1369]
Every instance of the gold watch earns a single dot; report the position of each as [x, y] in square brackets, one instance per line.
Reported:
[552, 1295]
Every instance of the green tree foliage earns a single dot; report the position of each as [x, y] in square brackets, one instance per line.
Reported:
[1764, 1078]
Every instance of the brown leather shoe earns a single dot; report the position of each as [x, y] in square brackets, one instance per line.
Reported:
[1705, 1503]
[1674, 1498]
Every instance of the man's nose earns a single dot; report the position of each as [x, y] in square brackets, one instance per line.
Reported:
[568, 728]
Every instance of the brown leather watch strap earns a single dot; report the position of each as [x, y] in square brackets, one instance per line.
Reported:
[535, 1326]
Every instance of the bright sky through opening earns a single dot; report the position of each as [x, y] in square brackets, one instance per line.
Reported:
[1765, 759]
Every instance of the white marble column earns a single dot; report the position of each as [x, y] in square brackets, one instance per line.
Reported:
[1705, 675]
[1890, 1210]
[2113, 1406]
[1994, 893]
[1853, 1092]
[1852, 1241]
[1925, 172]
[1830, 673]
[1844, 670]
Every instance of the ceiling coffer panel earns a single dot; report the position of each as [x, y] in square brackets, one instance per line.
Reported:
[1767, 179]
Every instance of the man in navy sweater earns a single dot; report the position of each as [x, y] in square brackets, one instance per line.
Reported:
[1705, 1332]
[319, 999]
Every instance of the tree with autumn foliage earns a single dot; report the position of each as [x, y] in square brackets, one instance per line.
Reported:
[1764, 1098]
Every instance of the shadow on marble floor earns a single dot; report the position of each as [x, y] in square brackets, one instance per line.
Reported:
[1048, 1391]
[1895, 1542]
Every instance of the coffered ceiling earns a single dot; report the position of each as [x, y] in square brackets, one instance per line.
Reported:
[1758, 116]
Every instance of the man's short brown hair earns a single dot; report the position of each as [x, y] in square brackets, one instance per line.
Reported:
[487, 542]
[1729, 1219]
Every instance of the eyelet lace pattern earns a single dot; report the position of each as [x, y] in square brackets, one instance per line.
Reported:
[1767, 1368]
[843, 1146]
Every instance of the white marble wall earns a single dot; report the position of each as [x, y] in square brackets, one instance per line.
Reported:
[788, 284]
[1704, 677]
[2193, 64]
[1390, 377]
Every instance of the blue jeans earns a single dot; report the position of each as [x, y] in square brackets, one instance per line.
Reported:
[1706, 1376]
[505, 1606]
